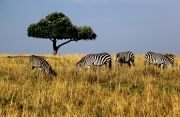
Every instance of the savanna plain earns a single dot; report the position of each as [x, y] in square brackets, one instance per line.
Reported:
[139, 91]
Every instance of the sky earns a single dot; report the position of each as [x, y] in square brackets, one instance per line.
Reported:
[121, 25]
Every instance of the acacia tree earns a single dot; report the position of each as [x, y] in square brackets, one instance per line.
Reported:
[57, 26]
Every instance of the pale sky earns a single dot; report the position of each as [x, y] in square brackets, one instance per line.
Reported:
[121, 25]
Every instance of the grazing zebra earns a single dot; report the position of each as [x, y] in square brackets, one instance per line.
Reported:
[95, 59]
[38, 62]
[159, 59]
[125, 57]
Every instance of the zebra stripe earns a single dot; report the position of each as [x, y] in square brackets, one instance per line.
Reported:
[38, 62]
[95, 59]
[159, 59]
[125, 57]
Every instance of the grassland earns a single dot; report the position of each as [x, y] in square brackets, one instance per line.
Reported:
[124, 92]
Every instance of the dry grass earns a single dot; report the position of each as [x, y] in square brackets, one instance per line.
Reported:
[139, 91]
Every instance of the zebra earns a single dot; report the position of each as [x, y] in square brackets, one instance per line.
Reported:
[38, 62]
[159, 59]
[95, 59]
[125, 57]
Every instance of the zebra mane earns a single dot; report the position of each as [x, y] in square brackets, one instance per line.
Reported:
[170, 58]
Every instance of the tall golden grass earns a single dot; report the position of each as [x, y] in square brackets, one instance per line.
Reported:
[138, 91]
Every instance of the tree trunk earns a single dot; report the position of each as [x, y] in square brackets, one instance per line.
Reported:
[55, 52]
[55, 48]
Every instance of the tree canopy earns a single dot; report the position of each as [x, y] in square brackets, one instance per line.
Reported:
[57, 26]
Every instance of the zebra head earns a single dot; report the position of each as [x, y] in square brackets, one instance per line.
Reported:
[48, 70]
[116, 59]
[33, 62]
[53, 72]
[31, 57]
[81, 63]
[170, 58]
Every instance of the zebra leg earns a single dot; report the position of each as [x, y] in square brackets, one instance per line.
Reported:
[129, 64]
[89, 67]
[162, 66]
[108, 64]
[132, 63]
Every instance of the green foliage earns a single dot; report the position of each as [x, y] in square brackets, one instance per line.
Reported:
[59, 26]
[85, 32]
[55, 25]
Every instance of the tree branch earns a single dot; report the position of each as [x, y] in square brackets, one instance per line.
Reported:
[64, 43]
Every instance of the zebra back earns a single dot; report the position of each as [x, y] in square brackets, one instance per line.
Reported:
[153, 57]
[95, 59]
